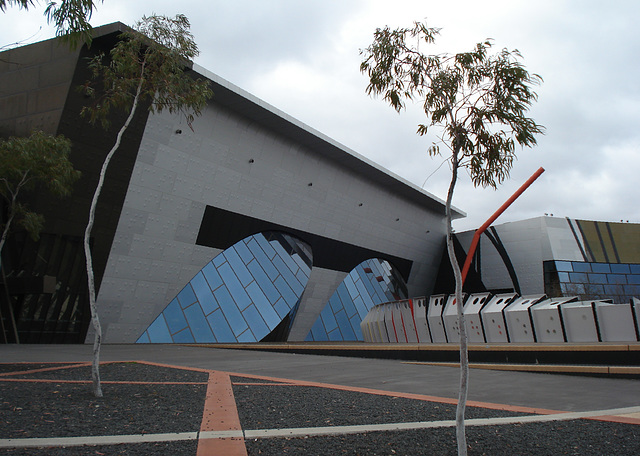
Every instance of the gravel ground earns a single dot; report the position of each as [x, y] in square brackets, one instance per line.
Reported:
[117, 372]
[68, 409]
[579, 437]
[30, 409]
[187, 448]
[265, 406]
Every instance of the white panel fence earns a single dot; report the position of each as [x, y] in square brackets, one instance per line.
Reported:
[503, 318]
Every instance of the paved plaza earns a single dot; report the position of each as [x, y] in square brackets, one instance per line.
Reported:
[168, 399]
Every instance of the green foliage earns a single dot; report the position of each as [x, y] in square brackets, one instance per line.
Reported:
[477, 99]
[150, 63]
[70, 17]
[39, 160]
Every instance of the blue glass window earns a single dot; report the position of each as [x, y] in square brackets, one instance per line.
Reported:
[238, 266]
[220, 327]
[186, 297]
[603, 268]
[230, 310]
[203, 293]
[242, 294]
[213, 278]
[255, 320]
[581, 267]
[184, 337]
[598, 278]
[198, 324]
[564, 266]
[158, 331]
[174, 317]
[620, 268]
[619, 279]
[355, 296]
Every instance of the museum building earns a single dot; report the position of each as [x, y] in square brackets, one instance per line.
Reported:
[249, 227]
[252, 226]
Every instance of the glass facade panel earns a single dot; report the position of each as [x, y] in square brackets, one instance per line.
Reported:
[355, 296]
[230, 310]
[158, 331]
[241, 295]
[213, 278]
[282, 308]
[184, 337]
[174, 317]
[616, 281]
[236, 290]
[198, 324]
[238, 266]
[564, 266]
[186, 296]
[284, 289]
[266, 286]
[620, 269]
[319, 334]
[203, 293]
[603, 268]
[220, 327]
[246, 337]
[255, 320]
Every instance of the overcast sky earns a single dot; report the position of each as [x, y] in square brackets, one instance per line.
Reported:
[303, 58]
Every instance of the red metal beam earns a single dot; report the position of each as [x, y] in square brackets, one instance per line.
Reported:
[490, 220]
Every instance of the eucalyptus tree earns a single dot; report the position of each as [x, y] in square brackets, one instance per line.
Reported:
[27, 163]
[478, 102]
[39, 161]
[151, 65]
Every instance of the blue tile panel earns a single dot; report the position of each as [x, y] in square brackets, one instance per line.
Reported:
[617, 281]
[370, 283]
[240, 296]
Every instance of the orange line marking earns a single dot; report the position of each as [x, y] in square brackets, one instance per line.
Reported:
[220, 414]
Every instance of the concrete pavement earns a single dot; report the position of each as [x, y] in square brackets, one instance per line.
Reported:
[547, 391]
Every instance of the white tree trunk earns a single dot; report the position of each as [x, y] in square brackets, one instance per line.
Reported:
[95, 367]
[461, 438]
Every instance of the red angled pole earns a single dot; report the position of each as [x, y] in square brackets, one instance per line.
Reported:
[490, 220]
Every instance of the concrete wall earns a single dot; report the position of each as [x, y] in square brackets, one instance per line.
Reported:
[176, 176]
[34, 82]
[528, 244]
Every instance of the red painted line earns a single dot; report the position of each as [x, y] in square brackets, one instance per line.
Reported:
[220, 414]
[171, 366]
[421, 397]
[44, 369]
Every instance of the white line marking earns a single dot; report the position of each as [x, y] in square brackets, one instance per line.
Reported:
[301, 432]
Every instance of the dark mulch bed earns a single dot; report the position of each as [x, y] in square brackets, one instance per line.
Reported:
[6, 368]
[184, 448]
[130, 371]
[53, 409]
[265, 406]
[579, 437]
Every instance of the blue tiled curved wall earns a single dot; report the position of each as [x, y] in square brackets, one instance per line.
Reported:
[240, 296]
[368, 284]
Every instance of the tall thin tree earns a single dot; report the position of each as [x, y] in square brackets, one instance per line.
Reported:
[479, 103]
[150, 63]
